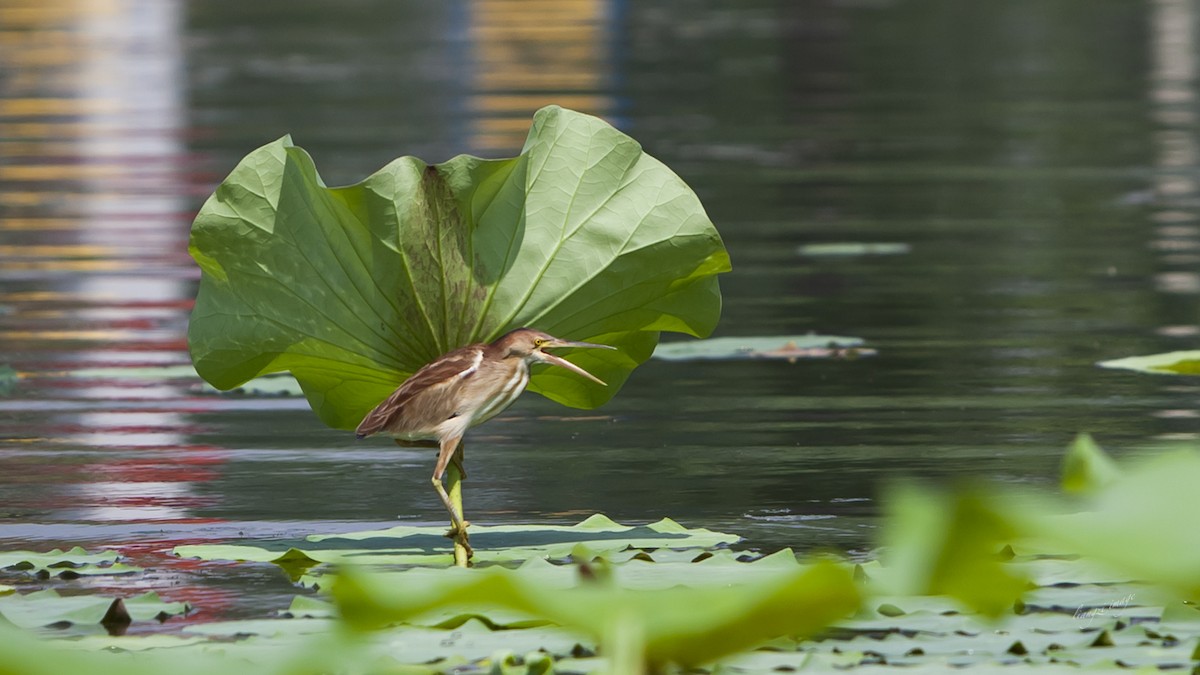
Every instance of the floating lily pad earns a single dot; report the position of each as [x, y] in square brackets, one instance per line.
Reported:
[475, 641]
[1169, 363]
[416, 545]
[789, 348]
[70, 564]
[127, 643]
[280, 627]
[309, 607]
[48, 608]
[853, 248]
[936, 634]
[22, 654]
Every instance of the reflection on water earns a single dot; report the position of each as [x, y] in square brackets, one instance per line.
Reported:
[1174, 104]
[95, 229]
[529, 55]
[1040, 176]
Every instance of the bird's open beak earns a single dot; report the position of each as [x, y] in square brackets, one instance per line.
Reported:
[547, 357]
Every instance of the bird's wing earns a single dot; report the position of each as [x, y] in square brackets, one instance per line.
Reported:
[430, 392]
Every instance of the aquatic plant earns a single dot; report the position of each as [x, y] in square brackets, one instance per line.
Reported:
[352, 289]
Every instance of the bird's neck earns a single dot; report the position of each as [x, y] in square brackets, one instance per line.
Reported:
[503, 353]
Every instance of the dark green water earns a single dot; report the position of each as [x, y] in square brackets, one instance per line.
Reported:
[1038, 158]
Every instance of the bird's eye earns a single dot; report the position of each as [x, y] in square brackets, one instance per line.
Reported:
[539, 342]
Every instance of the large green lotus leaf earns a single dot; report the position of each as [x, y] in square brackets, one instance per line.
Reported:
[352, 289]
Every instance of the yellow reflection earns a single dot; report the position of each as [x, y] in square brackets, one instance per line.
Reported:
[58, 265]
[39, 224]
[49, 251]
[39, 198]
[40, 172]
[39, 296]
[532, 53]
[97, 335]
[43, 130]
[39, 107]
[15, 14]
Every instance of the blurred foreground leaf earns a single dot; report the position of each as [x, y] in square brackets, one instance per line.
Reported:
[353, 289]
[1138, 520]
[685, 626]
[1086, 467]
[1143, 522]
[938, 543]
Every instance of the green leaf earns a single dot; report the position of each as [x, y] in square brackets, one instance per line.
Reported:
[686, 626]
[352, 289]
[1140, 524]
[948, 544]
[1170, 363]
[1086, 467]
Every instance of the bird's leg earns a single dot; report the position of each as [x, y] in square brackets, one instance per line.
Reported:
[458, 529]
[454, 485]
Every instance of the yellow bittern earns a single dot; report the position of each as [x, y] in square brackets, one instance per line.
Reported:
[462, 389]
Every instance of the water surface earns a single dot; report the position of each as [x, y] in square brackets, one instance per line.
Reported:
[1037, 157]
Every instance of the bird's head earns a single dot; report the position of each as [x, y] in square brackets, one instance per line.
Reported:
[531, 345]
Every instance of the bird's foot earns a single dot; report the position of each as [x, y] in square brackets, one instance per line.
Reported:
[458, 532]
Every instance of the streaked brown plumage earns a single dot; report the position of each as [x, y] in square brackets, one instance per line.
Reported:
[462, 389]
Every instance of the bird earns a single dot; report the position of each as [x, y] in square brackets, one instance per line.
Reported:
[462, 389]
